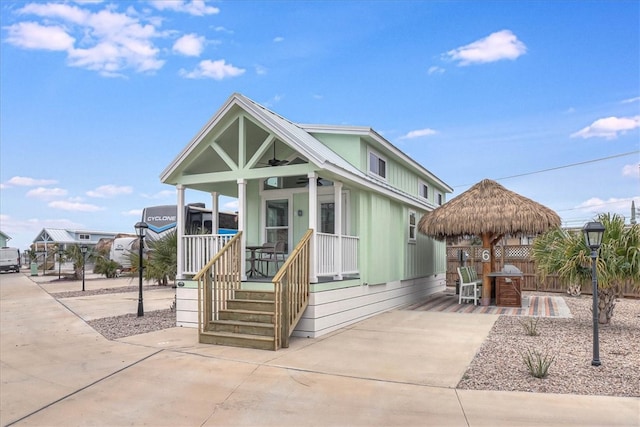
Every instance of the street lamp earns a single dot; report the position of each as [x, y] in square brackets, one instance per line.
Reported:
[593, 232]
[141, 230]
[83, 249]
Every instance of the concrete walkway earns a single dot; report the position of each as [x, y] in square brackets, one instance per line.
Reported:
[398, 368]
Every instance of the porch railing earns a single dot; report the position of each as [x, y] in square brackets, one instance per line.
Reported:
[200, 248]
[218, 281]
[327, 264]
[291, 287]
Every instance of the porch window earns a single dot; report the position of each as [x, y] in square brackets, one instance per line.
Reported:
[327, 218]
[377, 165]
[277, 221]
[412, 226]
[423, 190]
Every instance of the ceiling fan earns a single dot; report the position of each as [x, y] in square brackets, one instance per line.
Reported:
[275, 161]
[305, 180]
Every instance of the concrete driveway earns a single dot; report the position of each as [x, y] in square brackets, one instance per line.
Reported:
[398, 368]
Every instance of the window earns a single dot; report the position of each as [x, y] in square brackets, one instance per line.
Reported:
[377, 165]
[412, 226]
[440, 199]
[277, 221]
[423, 190]
[84, 237]
[327, 218]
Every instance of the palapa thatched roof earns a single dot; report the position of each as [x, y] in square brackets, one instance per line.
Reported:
[488, 207]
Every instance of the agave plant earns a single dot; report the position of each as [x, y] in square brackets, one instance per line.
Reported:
[618, 264]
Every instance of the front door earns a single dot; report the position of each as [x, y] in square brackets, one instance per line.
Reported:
[277, 221]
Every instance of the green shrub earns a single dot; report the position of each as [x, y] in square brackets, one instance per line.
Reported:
[538, 363]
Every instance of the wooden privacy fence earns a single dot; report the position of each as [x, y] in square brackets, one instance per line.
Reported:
[519, 256]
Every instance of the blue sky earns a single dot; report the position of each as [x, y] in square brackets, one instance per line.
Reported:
[97, 98]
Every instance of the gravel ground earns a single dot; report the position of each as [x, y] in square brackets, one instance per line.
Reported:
[117, 290]
[499, 363]
[130, 324]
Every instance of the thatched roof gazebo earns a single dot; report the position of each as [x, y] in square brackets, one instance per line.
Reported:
[490, 211]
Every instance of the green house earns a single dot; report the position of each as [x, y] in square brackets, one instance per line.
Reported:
[358, 196]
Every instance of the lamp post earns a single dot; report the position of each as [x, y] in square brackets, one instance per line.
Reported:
[141, 229]
[593, 232]
[83, 250]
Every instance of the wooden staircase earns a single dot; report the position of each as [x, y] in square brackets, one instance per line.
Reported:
[248, 321]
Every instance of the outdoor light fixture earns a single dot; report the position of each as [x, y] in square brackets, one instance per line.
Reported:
[141, 230]
[593, 232]
[83, 250]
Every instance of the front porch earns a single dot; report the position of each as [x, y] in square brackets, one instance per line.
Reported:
[335, 256]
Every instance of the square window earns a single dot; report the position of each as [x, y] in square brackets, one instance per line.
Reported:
[377, 165]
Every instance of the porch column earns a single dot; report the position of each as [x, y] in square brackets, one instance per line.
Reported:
[242, 209]
[313, 224]
[337, 221]
[180, 232]
[214, 213]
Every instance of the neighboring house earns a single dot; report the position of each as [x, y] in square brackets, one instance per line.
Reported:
[361, 196]
[4, 238]
[49, 238]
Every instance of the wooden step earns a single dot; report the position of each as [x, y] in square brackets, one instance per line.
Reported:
[251, 305]
[255, 295]
[247, 316]
[238, 340]
[240, 327]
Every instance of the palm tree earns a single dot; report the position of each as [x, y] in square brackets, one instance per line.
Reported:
[162, 263]
[75, 255]
[618, 264]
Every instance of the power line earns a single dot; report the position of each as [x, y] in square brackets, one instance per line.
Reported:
[560, 167]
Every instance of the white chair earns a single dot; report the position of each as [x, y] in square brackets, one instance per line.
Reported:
[470, 286]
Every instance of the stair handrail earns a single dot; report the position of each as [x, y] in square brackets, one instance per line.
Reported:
[214, 289]
[291, 287]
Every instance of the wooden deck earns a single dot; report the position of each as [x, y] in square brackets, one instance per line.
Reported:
[532, 305]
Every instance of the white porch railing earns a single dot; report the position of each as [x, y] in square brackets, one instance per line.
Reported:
[327, 263]
[199, 249]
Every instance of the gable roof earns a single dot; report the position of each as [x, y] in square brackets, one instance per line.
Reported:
[5, 235]
[301, 140]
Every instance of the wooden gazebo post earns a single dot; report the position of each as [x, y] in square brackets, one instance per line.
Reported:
[486, 269]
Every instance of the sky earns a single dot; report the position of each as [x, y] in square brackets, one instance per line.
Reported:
[98, 97]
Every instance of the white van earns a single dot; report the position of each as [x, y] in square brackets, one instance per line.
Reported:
[9, 259]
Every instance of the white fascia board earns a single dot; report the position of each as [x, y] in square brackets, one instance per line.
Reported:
[198, 137]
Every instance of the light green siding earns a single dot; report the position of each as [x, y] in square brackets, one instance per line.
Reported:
[347, 146]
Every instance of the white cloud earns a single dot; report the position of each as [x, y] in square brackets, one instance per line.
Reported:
[46, 193]
[133, 212]
[104, 41]
[631, 170]
[495, 47]
[109, 191]
[419, 133]
[231, 206]
[193, 7]
[260, 70]
[609, 127]
[613, 205]
[278, 39]
[631, 100]
[435, 70]
[216, 70]
[161, 194]
[31, 35]
[24, 181]
[189, 45]
[74, 206]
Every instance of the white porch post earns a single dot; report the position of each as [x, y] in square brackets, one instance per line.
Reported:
[337, 215]
[242, 209]
[313, 224]
[214, 213]
[180, 232]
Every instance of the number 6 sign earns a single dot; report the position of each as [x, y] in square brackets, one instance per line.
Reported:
[485, 255]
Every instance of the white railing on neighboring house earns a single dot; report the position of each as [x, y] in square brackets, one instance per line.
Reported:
[199, 249]
[333, 262]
